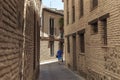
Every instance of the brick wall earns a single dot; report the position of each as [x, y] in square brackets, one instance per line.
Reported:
[31, 58]
[10, 40]
[98, 61]
[17, 40]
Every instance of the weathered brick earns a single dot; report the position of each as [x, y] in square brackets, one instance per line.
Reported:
[98, 61]
[12, 23]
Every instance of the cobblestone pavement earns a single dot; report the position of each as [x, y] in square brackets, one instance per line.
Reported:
[55, 71]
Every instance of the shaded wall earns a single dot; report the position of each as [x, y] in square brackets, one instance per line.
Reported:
[17, 40]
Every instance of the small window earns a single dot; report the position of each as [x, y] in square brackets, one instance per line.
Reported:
[94, 3]
[67, 8]
[82, 42]
[51, 24]
[81, 8]
[73, 13]
[68, 44]
[67, 17]
[94, 27]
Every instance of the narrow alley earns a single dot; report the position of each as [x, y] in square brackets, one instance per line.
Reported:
[37, 34]
[55, 71]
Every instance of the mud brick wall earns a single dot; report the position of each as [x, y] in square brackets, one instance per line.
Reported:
[17, 39]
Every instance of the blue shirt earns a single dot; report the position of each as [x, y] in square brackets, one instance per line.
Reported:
[59, 53]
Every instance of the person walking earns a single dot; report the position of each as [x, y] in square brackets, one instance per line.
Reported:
[59, 55]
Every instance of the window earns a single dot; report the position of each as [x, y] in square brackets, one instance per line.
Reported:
[82, 41]
[67, 4]
[67, 17]
[51, 23]
[103, 20]
[73, 10]
[104, 23]
[94, 3]
[51, 48]
[68, 44]
[81, 8]
[94, 27]
[67, 11]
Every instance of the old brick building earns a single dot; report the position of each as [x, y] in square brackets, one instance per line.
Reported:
[92, 43]
[50, 30]
[19, 39]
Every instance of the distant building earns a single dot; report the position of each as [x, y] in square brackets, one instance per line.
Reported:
[92, 38]
[50, 30]
[50, 21]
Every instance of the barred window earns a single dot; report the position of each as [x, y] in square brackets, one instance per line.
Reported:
[104, 22]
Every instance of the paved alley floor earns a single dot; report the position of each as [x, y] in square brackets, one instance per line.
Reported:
[55, 71]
